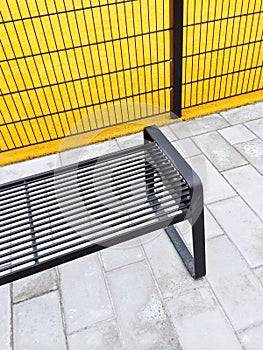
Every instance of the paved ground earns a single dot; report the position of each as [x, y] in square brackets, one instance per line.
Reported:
[139, 295]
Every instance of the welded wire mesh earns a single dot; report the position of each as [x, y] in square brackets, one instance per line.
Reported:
[71, 66]
[223, 51]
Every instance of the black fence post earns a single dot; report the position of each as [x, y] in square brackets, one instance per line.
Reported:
[176, 54]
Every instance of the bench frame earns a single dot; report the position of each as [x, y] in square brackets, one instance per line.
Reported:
[196, 263]
[195, 215]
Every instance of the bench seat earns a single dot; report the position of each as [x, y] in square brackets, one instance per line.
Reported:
[60, 215]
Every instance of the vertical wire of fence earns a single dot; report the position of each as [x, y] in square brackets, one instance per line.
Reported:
[68, 67]
[71, 66]
[222, 50]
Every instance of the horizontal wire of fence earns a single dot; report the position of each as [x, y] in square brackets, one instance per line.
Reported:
[222, 50]
[68, 67]
[72, 66]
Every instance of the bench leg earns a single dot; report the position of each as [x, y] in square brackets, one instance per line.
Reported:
[196, 263]
[198, 235]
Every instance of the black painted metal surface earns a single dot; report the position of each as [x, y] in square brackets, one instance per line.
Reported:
[60, 215]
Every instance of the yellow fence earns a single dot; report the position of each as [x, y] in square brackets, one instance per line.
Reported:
[223, 54]
[68, 67]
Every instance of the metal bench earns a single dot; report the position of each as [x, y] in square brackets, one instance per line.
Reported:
[61, 215]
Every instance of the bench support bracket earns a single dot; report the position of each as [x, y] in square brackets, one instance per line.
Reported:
[195, 264]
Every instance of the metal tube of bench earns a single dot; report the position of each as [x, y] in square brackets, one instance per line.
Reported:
[196, 264]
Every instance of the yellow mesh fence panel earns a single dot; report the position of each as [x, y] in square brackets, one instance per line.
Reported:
[223, 52]
[63, 61]
[68, 67]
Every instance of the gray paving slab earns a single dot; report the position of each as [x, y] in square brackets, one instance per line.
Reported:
[172, 277]
[143, 321]
[130, 140]
[215, 186]
[212, 228]
[253, 151]
[5, 317]
[122, 254]
[85, 296]
[156, 304]
[27, 168]
[103, 335]
[87, 152]
[252, 338]
[34, 285]
[256, 126]
[198, 126]
[243, 227]
[259, 273]
[211, 225]
[244, 113]
[248, 183]
[38, 324]
[167, 131]
[235, 285]
[219, 151]
[201, 323]
[237, 133]
[186, 148]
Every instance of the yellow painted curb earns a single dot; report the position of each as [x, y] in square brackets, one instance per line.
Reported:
[69, 142]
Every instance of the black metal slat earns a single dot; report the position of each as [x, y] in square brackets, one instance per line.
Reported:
[94, 204]
[69, 168]
[141, 212]
[86, 173]
[7, 207]
[56, 220]
[42, 234]
[82, 251]
[88, 195]
[74, 169]
[73, 189]
[155, 218]
[81, 166]
[106, 195]
[31, 224]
